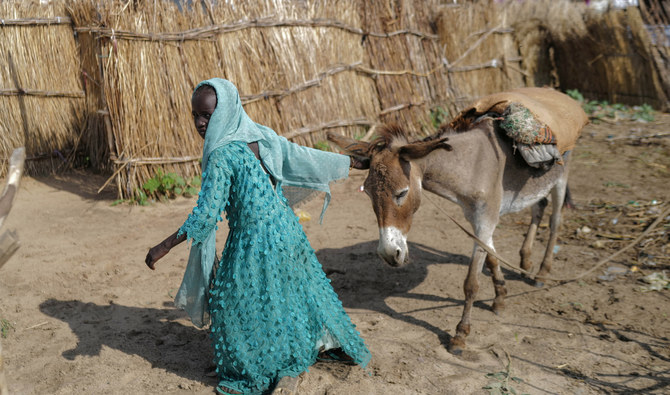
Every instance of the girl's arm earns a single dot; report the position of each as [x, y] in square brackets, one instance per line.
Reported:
[216, 181]
[311, 165]
[163, 248]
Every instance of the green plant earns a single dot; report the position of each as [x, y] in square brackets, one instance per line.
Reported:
[644, 113]
[322, 145]
[5, 327]
[600, 110]
[438, 116]
[615, 184]
[169, 185]
[575, 94]
[163, 186]
[591, 107]
[141, 198]
[502, 384]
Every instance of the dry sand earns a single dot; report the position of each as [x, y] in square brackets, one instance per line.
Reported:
[88, 317]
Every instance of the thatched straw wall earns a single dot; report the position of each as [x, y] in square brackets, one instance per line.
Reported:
[479, 45]
[414, 78]
[300, 67]
[656, 16]
[537, 27]
[606, 56]
[614, 61]
[116, 81]
[41, 95]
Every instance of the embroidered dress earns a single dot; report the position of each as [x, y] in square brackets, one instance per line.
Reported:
[271, 304]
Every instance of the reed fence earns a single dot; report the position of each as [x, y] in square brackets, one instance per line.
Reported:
[110, 82]
[41, 95]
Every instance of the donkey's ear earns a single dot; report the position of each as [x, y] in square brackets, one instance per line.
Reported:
[349, 145]
[420, 149]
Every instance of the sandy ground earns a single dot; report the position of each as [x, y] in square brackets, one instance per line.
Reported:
[88, 317]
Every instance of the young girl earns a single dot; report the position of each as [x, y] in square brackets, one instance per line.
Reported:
[271, 306]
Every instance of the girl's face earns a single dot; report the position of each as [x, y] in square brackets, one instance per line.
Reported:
[203, 106]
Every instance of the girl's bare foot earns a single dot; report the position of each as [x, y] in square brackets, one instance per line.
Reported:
[335, 355]
[225, 390]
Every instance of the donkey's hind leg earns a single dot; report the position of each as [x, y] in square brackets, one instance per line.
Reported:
[537, 211]
[557, 197]
[498, 284]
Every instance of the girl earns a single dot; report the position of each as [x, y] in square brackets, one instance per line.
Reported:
[272, 309]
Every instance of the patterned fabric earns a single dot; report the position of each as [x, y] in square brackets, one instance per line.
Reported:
[523, 127]
[290, 164]
[271, 304]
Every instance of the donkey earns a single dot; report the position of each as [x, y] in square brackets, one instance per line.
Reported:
[478, 170]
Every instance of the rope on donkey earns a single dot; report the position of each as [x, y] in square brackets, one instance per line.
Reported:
[508, 265]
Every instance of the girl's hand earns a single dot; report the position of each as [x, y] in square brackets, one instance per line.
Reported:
[155, 254]
[360, 163]
[163, 248]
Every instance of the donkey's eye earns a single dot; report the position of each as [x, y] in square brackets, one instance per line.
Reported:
[400, 196]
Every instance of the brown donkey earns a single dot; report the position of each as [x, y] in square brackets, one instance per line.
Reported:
[477, 170]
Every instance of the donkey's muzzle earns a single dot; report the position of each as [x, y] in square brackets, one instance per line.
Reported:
[392, 247]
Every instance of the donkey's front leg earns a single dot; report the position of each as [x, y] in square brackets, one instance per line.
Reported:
[484, 231]
[471, 287]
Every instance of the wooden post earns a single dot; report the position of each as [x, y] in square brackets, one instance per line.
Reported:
[13, 178]
[8, 240]
[9, 243]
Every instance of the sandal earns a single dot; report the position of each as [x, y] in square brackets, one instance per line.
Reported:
[335, 355]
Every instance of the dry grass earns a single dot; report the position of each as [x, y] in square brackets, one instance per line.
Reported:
[606, 56]
[42, 100]
[295, 77]
[123, 72]
[479, 34]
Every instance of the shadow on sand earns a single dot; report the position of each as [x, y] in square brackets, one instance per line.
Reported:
[150, 333]
[360, 278]
[83, 183]
[364, 281]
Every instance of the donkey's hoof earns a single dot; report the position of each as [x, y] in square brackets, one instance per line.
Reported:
[455, 350]
[538, 283]
[456, 345]
[498, 308]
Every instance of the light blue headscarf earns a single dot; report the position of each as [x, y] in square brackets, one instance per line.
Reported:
[290, 164]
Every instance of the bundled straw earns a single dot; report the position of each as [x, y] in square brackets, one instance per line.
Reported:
[41, 95]
[606, 56]
[301, 68]
[480, 50]
[111, 80]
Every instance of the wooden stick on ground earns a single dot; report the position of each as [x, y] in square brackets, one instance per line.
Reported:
[3, 382]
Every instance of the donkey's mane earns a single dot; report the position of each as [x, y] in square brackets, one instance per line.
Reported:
[444, 130]
[388, 135]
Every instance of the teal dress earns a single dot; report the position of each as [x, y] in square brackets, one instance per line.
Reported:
[272, 307]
